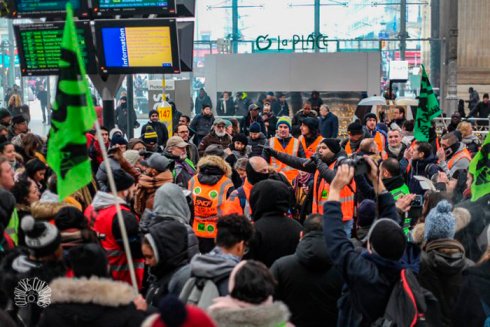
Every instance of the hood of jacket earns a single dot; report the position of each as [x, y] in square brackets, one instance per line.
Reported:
[170, 202]
[269, 198]
[446, 256]
[212, 166]
[312, 113]
[168, 240]
[46, 210]
[265, 315]
[470, 139]
[312, 251]
[104, 200]
[214, 265]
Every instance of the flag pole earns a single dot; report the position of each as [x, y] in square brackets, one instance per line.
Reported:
[120, 219]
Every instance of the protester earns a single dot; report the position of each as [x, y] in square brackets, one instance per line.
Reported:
[36, 170]
[202, 100]
[395, 148]
[256, 140]
[481, 110]
[5, 117]
[329, 123]
[201, 124]
[316, 101]
[453, 154]
[455, 120]
[469, 139]
[125, 116]
[420, 162]
[356, 135]
[300, 116]
[216, 136]
[26, 193]
[371, 127]
[192, 152]
[183, 167]
[159, 127]
[252, 117]
[74, 228]
[270, 120]
[150, 139]
[7, 150]
[19, 126]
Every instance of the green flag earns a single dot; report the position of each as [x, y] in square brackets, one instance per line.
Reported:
[480, 169]
[427, 109]
[73, 115]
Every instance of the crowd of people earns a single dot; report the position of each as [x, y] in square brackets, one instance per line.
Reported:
[270, 220]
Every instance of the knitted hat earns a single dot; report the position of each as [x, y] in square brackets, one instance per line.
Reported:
[159, 162]
[387, 239]
[240, 138]
[41, 238]
[175, 313]
[253, 106]
[4, 113]
[118, 139]
[440, 222]
[284, 120]
[88, 260]
[332, 144]
[115, 131]
[366, 213]
[355, 128]
[255, 128]
[369, 115]
[152, 112]
[227, 123]
[132, 156]
[18, 119]
[312, 124]
[122, 179]
[150, 136]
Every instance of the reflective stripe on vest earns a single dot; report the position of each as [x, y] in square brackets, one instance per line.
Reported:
[400, 191]
[459, 155]
[208, 202]
[347, 203]
[291, 149]
[310, 150]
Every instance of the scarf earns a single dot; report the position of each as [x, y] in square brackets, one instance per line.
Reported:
[146, 188]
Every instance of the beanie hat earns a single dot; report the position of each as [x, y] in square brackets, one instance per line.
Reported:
[253, 106]
[152, 112]
[115, 131]
[227, 123]
[284, 120]
[122, 179]
[312, 124]
[4, 113]
[174, 313]
[369, 115]
[332, 144]
[70, 217]
[387, 239]
[118, 139]
[132, 156]
[255, 128]
[41, 238]
[240, 138]
[440, 222]
[366, 213]
[88, 260]
[150, 136]
[18, 119]
[355, 128]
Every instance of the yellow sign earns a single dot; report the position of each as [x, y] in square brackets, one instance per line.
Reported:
[165, 115]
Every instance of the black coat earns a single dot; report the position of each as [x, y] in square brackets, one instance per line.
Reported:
[329, 125]
[161, 130]
[230, 107]
[91, 303]
[122, 118]
[276, 235]
[309, 274]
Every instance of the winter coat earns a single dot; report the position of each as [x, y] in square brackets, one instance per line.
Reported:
[201, 101]
[270, 202]
[212, 138]
[472, 143]
[255, 145]
[424, 167]
[169, 241]
[91, 302]
[183, 171]
[329, 125]
[201, 125]
[161, 130]
[363, 273]
[398, 157]
[309, 274]
[442, 266]
[122, 118]
[248, 120]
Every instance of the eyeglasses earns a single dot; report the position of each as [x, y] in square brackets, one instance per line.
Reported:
[183, 132]
[220, 126]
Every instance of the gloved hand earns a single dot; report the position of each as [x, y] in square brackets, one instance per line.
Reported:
[269, 151]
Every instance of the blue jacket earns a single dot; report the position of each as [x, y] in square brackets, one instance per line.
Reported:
[369, 278]
[329, 125]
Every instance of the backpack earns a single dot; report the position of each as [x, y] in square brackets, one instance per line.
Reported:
[199, 292]
[407, 304]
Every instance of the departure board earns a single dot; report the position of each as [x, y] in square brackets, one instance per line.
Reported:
[106, 8]
[49, 8]
[40, 47]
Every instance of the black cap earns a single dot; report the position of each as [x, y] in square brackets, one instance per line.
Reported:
[122, 179]
[18, 119]
[332, 144]
[355, 128]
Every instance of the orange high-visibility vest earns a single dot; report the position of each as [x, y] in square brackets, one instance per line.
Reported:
[320, 195]
[292, 150]
[379, 139]
[310, 150]
[459, 155]
[208, 201]
[348, 148]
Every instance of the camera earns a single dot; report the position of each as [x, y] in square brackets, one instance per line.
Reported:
[417, 202]
[361, 167]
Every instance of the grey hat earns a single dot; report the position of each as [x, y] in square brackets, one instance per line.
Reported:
[41, 238]
[215, 150]
[440, 222]
[218, 121]
[159, 162]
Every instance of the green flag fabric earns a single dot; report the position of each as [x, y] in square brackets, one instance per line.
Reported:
[480, 169]
[427, 109]
[73, 115]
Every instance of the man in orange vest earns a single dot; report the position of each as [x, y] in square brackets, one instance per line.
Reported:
[356, 135]
[285, 143]
[371, 121]
[310, 136]
[322, 165]
[238, 201]
[453, 154]
[210, 188]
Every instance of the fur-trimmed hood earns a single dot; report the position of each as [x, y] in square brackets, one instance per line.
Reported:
[270, 315]
[46, 210]
[101, 291]
[214, 161]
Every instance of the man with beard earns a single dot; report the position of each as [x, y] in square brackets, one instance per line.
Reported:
[216, 136]
[184, 169]
[158, 127]
[356, 135]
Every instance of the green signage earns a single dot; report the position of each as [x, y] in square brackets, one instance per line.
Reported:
[264, 43]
